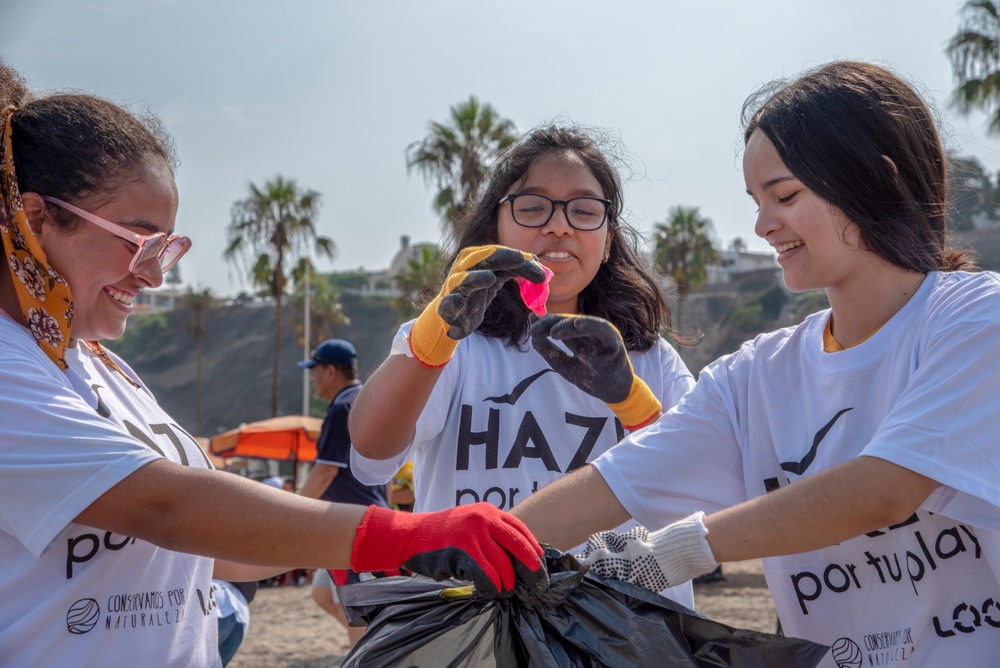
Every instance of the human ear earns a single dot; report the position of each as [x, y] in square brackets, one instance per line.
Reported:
[892, 166]
[35, 211]
[607, 245]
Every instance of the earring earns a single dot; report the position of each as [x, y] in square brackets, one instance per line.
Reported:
[606, 256]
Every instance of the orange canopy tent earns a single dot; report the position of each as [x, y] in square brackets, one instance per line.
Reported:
[287, 438]
[217, 461]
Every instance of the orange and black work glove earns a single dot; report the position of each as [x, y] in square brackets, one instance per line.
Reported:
[476, 276]
[477, 543]
[599, 365]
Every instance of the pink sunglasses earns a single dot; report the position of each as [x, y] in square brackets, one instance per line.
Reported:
[168, 249]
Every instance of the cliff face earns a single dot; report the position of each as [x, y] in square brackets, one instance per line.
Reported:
[239, 344]
[237, 359]
[727, 314]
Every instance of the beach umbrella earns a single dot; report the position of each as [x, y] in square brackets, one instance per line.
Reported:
[290, 438]
[217, 461]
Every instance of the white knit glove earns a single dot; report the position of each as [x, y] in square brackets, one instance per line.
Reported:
[665, 558]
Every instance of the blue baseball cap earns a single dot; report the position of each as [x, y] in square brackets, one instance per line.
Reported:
[332, 351]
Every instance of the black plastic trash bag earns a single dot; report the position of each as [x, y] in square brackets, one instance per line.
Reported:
[582, 620]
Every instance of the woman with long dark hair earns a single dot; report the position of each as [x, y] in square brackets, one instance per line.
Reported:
[856, 452]
[467, 396]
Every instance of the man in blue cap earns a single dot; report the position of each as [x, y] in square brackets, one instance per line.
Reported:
[334, 366]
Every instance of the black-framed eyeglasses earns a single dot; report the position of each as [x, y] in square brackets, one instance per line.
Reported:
[582, 213]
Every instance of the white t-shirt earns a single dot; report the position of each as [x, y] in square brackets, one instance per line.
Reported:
[501, 424]
[923, 392]
[230, 601]
[71, 594]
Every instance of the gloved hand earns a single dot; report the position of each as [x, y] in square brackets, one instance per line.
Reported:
[599, 365]
[665, 558]
[477, 543]
[343, 577]
[475, 278]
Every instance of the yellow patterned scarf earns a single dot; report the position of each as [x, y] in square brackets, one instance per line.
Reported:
[44, 296]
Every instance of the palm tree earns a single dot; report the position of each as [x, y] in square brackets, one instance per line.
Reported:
[420, 281]
[173, 277]
[326, 313]
[456, 154]
[268, 236]
[972, 194]
[197, 303]
[684, 246]
[975, 59]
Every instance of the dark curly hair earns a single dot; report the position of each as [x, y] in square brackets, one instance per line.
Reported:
[624, 290]
[834, 126]
[78, 148]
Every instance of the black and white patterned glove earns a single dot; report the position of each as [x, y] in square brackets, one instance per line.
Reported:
[665, 558]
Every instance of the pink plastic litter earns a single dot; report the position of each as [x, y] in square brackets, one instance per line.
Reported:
[536, 294]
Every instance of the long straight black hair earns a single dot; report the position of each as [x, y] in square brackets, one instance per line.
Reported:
[624, 290]
[834, 127]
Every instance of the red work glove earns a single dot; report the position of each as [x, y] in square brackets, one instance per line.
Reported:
[476, 543]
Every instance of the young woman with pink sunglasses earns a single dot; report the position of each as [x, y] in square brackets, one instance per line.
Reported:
[112, 521]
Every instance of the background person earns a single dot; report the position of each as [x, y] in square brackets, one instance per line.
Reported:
[102, 495]
[464, 394]
[334, 375]
[402, 493]
[857, 452]
[232, 602]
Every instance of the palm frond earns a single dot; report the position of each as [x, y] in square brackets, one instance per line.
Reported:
[262, 271]
[325, 246]
[974, 53]
[275, 222]
[684, 247]
[455, 155]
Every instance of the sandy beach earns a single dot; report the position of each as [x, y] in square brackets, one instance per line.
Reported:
[288, 630]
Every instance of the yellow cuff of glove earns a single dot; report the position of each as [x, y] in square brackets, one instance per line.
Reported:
[639, 408]
[429, 340]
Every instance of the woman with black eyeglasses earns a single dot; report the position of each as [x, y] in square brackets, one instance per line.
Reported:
[112, 521]
[465, 393]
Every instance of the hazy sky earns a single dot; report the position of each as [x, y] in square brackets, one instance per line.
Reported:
[331, 93]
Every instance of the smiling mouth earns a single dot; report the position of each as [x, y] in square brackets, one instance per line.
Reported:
[123, 297]
[556, 255]
[786, 247]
